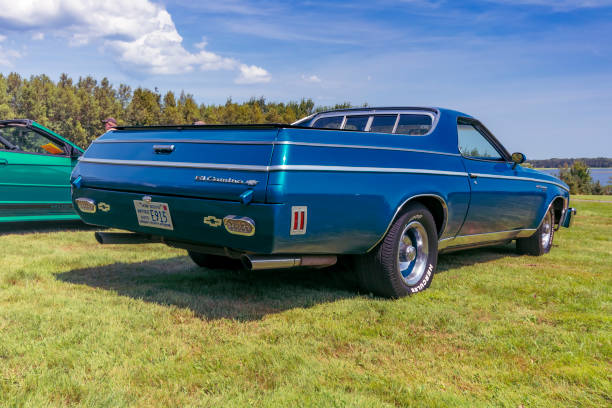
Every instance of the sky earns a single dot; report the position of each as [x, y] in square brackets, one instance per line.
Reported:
[537, 73]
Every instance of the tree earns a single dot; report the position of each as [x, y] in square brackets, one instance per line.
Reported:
[144, 108]
[577, 177]
[170, 112]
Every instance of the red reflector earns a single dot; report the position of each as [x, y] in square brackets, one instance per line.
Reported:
[299, 220]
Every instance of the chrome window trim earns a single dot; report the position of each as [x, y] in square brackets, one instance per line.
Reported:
[343, 123]
[444, 222]
[372, 112]
[397, 118]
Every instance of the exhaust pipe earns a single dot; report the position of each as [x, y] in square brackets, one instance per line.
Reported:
[124, 238]
[261, 262]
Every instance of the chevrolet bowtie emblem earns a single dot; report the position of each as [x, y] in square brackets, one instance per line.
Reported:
[213, 221]
[103, 207]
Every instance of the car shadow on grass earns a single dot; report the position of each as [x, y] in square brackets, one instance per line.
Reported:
[34, 227]
[242, 295]
[469, 257]
[215, 294]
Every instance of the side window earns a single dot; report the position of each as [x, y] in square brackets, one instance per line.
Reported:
[383, 123]
[414, 125]
[356, 122]
[27, 140]
[473, 144]
[330, 122]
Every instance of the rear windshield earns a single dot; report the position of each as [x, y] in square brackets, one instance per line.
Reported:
[412, 124]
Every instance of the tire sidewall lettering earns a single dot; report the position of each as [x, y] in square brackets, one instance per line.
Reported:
[424, 281]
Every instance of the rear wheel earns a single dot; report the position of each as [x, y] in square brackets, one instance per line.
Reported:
[405, 260]
[539, 243]
[214, 261]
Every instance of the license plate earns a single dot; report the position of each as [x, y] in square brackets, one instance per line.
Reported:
[150, 214]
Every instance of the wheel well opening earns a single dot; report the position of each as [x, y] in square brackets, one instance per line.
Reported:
[435, 207]
[558, 205]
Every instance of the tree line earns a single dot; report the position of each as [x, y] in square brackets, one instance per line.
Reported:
[560, 163]
[75, 109]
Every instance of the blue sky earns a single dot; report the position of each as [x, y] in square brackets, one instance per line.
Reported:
[538, 73]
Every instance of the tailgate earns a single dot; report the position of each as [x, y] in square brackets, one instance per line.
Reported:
[206, 162]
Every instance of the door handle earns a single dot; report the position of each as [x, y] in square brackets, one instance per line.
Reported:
[163, 149]
[3, 162]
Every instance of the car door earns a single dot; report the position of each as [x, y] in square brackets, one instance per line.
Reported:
[500, 200]
[34, 173]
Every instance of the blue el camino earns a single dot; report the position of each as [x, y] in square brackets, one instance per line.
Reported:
[384, 189]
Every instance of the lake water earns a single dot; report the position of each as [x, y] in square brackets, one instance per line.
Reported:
[597, 174]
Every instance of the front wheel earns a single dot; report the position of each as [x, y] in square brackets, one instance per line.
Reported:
[539, 243]
[405, 260]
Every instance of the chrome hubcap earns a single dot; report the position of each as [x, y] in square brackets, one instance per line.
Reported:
[413, 252]
[547, 230]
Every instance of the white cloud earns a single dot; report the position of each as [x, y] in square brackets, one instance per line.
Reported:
[38, 36]
[2, 37]
[252, 75]
[202, 44]
[140, 33]
[311, 78]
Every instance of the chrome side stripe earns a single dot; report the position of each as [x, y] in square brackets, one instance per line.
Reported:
[193, 141]
[297, 167]
[257, 142]
[484, 237]
[148, 163]
[520, 178]
[333, 145]
[248, 167]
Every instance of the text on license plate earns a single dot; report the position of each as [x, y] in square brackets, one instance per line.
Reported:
[156, 215]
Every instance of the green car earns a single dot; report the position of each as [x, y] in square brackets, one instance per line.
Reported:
[35, 167]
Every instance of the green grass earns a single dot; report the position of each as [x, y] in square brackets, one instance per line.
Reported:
[89, 325]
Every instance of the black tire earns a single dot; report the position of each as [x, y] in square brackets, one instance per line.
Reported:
[379, 272]
[214, 261]
[538, 244]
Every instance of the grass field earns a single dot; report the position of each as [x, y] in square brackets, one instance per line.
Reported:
[87, 325]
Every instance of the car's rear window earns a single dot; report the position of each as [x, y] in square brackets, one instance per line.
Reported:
[414, 125]
[330, 122]
[383, 123]
[356, 122]
[411, 124]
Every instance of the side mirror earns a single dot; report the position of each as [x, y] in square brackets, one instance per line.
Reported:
[518, 158]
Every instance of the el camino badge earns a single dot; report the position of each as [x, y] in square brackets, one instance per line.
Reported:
[239, 225]
[227, 180]
[213, 221]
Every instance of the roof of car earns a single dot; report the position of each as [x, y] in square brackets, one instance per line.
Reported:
[432, 109]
